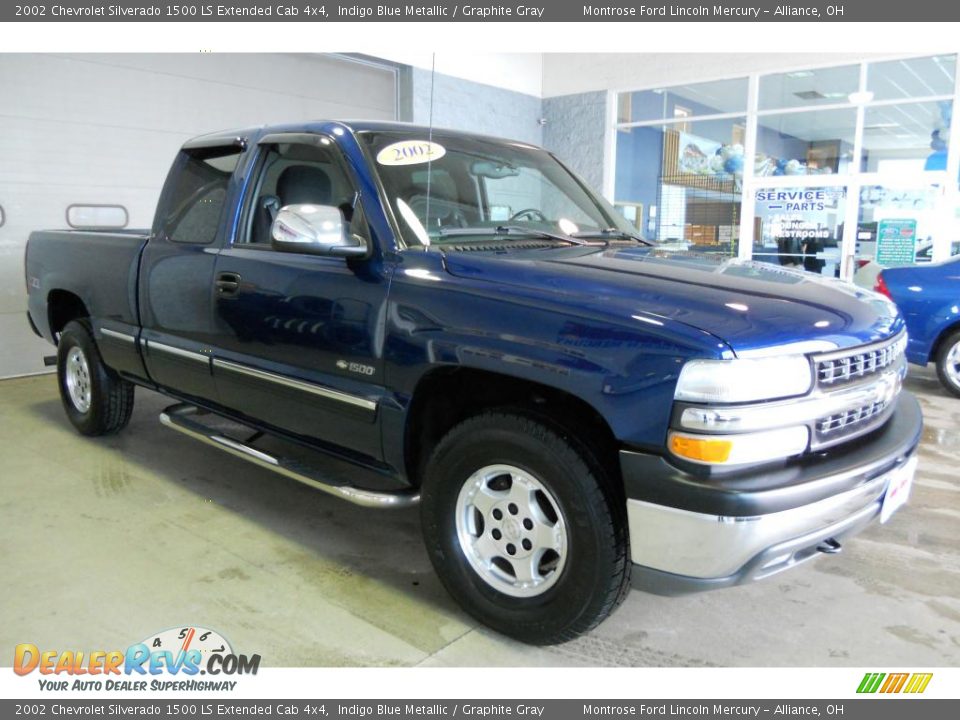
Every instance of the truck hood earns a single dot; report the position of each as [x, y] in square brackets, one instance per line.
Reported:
[751, 306]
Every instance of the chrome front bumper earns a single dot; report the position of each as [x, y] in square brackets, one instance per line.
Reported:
[715, 546]
[728, 535]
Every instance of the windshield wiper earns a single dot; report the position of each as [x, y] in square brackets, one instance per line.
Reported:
[613, 232]
[513, 230]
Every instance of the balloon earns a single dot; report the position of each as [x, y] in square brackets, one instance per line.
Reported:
[936, 161]
[734, 165]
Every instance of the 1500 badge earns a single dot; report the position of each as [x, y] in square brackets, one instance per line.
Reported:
[356, 367]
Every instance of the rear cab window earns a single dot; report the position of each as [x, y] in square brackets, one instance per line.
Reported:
[196, 193]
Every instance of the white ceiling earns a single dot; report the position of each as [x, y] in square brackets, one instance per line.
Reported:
[567, 73]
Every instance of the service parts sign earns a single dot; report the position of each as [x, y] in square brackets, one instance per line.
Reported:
[807, 213]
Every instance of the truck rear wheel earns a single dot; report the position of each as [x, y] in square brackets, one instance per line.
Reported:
[97, 400]
[522, 531]
[948, 362]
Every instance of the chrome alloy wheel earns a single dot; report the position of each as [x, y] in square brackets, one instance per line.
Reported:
[511, 530]
[952, 365]
[78, 379]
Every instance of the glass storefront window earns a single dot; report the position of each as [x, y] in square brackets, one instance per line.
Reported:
[680, 182]
[683, 101]
[953, 232]
[680, 178]
[896, 226]
[808, 88]
[912, 77]
[818, 142]
[907, 137]
[800, 227]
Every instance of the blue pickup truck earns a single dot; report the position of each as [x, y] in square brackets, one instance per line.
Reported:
[575, 411]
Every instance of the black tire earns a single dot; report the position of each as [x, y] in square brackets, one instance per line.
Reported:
[107, 404]
[950, 382]
[595, 575]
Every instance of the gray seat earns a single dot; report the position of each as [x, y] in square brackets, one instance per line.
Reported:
[297, 185]
[301, 184]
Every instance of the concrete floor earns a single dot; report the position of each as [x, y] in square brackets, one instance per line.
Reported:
[106, 541]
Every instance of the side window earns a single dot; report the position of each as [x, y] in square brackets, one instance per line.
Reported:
[195, 204]
[97, 217]
[297, 174]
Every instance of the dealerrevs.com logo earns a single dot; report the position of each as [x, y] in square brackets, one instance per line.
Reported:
[169, 660]
[894, 682]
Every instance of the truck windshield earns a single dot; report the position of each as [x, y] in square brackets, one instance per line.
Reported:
[456, 189]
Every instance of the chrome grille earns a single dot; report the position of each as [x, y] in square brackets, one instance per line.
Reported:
[844, 366]
[847, 419]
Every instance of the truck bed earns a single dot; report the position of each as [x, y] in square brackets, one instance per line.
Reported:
[99, 266]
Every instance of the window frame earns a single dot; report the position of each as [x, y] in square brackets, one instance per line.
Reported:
[240, 239]
[201, 151]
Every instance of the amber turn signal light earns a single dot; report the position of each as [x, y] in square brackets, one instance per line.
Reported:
[701, 449]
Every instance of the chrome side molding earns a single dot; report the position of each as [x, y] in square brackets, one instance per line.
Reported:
[179, 352]
[107, 332]
[179, 418]
[318, 390]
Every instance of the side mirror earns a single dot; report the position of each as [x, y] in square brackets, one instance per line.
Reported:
[314, 229]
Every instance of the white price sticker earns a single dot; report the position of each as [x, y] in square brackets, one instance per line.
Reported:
[410, 152]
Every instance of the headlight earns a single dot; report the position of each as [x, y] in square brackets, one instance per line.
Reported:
[744, 379]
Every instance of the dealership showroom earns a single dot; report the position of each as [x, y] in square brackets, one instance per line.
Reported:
[834, 171]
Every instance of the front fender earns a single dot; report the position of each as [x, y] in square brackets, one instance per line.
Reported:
[624, 368]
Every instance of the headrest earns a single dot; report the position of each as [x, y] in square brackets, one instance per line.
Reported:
[301, 184]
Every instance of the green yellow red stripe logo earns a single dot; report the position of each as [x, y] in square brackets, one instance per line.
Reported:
[898, 682]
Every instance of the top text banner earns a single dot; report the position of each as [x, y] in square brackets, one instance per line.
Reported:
[507, 11]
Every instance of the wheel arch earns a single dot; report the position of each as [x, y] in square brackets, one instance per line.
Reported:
[445, 396]
[62, 307]
[942, 335]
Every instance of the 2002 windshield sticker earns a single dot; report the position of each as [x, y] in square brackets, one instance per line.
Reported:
[411, 152]
[187, 651]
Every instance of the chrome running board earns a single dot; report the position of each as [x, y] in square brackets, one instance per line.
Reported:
[179, 418]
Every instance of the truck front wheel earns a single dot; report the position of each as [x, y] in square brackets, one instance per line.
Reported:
[521, 530]
[96, 399]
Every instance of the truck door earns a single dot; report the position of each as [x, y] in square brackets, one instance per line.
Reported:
[176, 272]
[299, 345]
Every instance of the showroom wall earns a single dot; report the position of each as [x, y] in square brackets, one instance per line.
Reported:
[575, 132]
[103, 129]
[475, 106]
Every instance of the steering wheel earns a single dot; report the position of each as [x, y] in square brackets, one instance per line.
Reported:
[532, 213]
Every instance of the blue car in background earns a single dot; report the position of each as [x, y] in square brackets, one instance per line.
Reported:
[929, 298]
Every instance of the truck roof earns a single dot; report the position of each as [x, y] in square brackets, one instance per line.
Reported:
[328, 126]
